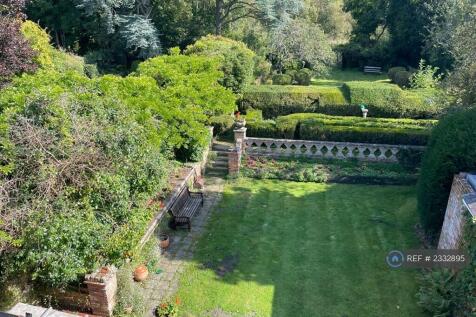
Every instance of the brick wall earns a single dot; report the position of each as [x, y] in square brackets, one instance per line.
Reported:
[450, 237]
[102, 287]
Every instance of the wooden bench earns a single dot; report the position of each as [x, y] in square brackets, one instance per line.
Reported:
[372, 70]
[185, 207]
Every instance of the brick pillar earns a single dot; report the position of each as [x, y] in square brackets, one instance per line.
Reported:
[102, 287]
[234, 160]
[453, 225]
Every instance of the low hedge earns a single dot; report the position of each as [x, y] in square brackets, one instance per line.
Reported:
[308, 126]
[382, 99]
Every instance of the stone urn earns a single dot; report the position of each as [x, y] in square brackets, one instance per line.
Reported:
[141, 273]
[241, 123]
[365, 112]
[164, 241]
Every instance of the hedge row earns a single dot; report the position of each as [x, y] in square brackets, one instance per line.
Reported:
[308, 126]
[382, 100]
[390, 101]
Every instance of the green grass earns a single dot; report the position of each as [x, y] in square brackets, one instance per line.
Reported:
[338, 77]
[304, 249]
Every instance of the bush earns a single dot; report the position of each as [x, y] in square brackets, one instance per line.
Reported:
[236, 59]
[402, 78]
[282, 79]
[393, 70]
[221, 124]
[344, 129]
[303, 77]
[91, 70]
[451, 150]
[425, 77]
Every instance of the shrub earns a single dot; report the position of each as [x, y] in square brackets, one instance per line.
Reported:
[46, 56]
[91, 70]
[451, 150]
[402, 78]
[425, 77]
[393, 70]
[236, 59]
[221, 123]
[303, 77]
[282, 79]
[344, 129]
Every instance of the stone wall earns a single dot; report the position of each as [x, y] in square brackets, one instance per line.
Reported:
[453, 225]
[326, 149]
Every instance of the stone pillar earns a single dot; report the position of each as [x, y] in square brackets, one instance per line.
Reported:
[453, 225]
[240, 135]
[102, 287]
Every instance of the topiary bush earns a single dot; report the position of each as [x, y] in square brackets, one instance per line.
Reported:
[393, 70]
[451, 150]
[282, 79]
[402, 78]
[303, 77]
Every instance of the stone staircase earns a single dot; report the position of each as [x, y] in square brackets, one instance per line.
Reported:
[217, 165]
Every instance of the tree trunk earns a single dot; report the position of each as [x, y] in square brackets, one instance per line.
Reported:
[218, 17]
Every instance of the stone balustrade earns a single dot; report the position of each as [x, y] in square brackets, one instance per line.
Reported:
[325, 149]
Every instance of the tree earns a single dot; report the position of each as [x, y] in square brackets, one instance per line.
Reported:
[452, 44]
[237, 60]
[16, 55]
[63, 21]
[304, 42]
[228, 11]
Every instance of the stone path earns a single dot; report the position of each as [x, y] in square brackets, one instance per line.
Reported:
[160, 287]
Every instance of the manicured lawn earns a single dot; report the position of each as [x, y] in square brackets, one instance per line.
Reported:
[277, 248]
[337, 77]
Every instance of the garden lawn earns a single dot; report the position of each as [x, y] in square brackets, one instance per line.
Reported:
[277, 248]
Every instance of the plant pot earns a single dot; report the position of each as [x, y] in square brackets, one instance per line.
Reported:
[364, 113]
[164, 241]
[141, 273]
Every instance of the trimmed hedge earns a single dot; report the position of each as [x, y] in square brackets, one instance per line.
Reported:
[382, 100]
[275, 100]
[308, 126]
[451, 150]
[390, 101]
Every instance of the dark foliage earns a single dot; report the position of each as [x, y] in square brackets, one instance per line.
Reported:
[16, 55]
[451, 150]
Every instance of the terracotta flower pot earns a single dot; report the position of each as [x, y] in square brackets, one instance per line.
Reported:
[141, 273]
[164, 241]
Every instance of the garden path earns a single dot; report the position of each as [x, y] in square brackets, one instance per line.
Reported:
[163, 286]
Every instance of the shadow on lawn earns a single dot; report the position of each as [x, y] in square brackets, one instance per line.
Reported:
[322, 250]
